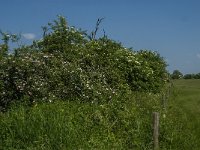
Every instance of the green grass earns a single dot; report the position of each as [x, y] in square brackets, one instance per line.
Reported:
[189, 96]
[74, 125]
[188, 99]
[125, 123]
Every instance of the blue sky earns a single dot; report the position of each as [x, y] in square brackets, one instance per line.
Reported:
[171, 27]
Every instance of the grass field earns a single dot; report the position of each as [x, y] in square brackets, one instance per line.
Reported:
[188, 98]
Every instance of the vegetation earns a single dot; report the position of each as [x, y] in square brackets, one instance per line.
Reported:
[66, 64]
[192, 76]
[74, 125]
[188, 93]
[176, 74]
[70, 90]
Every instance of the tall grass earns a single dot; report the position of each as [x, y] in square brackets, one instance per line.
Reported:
[75, 125]
[121, 124]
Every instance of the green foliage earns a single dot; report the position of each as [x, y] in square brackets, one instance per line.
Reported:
[74, 125]
[124, 123]
[192, 76]
[176, 74]
[66, 64]
[3, 50]
[6, 38]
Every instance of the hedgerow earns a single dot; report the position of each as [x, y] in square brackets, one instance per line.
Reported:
[67, 64]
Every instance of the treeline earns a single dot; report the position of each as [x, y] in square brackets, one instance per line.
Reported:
[192, 76]
[178, 75]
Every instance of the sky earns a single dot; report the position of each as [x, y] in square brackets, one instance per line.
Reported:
[170, 27]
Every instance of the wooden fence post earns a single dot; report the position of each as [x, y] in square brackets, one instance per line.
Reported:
[155, 130]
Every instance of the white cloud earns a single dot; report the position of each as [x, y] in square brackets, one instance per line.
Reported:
[29, 36]
[198, 56]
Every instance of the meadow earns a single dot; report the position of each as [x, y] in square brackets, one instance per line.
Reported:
[189, 95]
[188, 98]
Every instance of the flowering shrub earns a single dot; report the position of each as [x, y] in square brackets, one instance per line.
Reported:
[66, 64]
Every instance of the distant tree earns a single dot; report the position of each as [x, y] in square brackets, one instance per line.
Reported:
[197, 76]
[187, 76]
[192, 76]
[176, 74]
